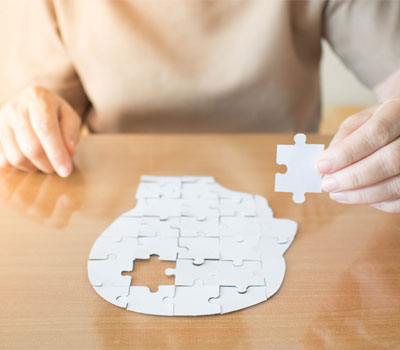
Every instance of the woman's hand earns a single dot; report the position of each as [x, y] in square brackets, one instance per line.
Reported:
[38, 131]
[362, 163]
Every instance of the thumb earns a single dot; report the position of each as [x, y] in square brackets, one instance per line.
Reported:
[70, 124]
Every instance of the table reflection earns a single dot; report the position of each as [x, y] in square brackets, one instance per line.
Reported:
[46, 199]
[364, 299]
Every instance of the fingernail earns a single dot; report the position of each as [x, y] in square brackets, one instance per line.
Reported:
[376, 205]
[329, 184]
[338, 196]
[324, 166]
[63, 171]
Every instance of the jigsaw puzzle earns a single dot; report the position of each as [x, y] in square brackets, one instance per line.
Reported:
[301, 175]
[227, 245]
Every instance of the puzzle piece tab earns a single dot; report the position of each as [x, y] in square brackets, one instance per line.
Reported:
[107, 272]
[301, 175]
[199, 248]
[186, 273]
[242, 276]
[165, 247]
[113, 294]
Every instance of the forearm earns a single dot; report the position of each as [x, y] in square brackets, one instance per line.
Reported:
[389, 88]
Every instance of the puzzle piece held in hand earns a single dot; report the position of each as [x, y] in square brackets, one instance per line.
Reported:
[301, 175]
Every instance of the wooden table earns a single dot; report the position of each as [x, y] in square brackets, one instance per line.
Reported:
[341, 290]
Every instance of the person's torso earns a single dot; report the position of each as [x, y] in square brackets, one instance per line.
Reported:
[179, 65]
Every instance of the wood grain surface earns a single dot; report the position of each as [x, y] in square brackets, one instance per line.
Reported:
[342, 285]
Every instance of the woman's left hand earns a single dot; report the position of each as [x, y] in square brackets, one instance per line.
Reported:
[362, 163]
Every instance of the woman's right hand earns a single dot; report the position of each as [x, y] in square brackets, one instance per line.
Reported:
[39, 130]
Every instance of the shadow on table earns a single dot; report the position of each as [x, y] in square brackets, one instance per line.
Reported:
[46, 199]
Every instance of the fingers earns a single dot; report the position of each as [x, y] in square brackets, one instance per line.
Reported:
[70, 124]
[39, 130]
[28, 142]
[381, 165]
[362, 163]
[352, 123]
[388, 207]
[386, 190]
[3, 160]
[12, 152]
[45, 123]
[379, 130]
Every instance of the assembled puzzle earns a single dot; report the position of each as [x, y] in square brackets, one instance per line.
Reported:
[227, 245]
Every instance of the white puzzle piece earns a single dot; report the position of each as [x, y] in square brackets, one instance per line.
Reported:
[106, 246]
[301, 176]
[238, 250]
[191, 227]
[273, 265]
[165, 247]
[157, 187]
[237, 207]
[162, 208]
[124, 227]
[218, 272]
[199, 248]
[239, 227]
[200, 208]
[113, 294]
[283, 230]
[231, 300]
[198, 188]
[194, 300]
[186, 273]
[141, 299]
[227, 245]
[153, 226]
[262, 207]
[107, 272]
[242, 276]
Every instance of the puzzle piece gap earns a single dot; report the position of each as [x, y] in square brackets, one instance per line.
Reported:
[151, 273]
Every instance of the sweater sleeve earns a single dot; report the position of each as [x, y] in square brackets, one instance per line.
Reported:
[38, 56]
[365, 34]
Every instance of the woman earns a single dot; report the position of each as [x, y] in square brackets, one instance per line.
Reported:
[205, 66]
